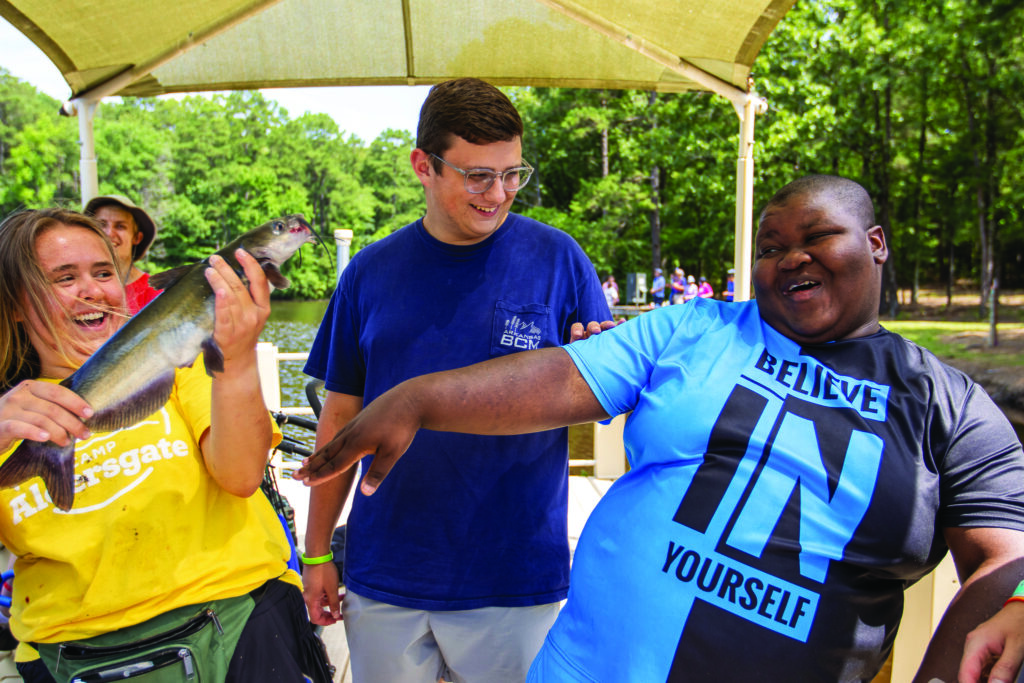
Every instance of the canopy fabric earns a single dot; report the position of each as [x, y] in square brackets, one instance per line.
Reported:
[135, 47]
[138, 47]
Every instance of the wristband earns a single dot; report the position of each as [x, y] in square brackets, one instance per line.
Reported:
[1017, 595]
[323, 559]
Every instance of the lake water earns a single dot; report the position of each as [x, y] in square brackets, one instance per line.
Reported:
[292, 327]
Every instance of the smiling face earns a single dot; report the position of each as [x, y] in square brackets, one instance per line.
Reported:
[817, 268]
[124, 234]
[454, 215]
[86, 298]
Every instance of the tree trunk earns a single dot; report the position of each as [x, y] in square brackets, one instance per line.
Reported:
[889, 302]
[991, 194]
[952, 270]
[922, 140]
[655, 215]
[605, 165]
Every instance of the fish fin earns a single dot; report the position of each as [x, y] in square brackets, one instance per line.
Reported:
[212, 357]
[167, 278]
[55, 464]
[134, 407]
[275, 277]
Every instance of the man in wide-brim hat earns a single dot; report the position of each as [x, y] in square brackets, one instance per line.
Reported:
[132, 232]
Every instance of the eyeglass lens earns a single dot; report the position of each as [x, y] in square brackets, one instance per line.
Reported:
[479, 182]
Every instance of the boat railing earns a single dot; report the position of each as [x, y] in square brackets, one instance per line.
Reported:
[609, 454]
[268, 360]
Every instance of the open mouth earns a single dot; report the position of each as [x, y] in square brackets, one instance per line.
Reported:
[490, 211]
[801, 287]
[90, 320]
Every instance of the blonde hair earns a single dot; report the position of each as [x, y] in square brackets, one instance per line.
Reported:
[23, 283]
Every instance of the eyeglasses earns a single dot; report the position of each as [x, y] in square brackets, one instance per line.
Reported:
[479, 180]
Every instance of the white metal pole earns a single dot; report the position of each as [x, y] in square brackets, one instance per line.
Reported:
[342, 239]
[751, 106]
[87, 168]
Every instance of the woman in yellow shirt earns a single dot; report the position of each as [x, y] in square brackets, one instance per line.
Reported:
[167, 529]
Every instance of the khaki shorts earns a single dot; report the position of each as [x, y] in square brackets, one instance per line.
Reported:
[389, 643]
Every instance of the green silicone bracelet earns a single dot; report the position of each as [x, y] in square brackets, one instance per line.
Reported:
[317, 560]
[1019, 593]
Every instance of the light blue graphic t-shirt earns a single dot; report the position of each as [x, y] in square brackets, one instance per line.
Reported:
[779, 501]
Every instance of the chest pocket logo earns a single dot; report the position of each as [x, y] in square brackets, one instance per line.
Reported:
[521, 327]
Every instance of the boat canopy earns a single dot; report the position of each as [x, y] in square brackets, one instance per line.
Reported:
[130, 47]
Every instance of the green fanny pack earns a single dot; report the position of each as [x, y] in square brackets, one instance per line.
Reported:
[192, 643]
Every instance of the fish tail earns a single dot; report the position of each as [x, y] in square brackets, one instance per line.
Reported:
[55, 464]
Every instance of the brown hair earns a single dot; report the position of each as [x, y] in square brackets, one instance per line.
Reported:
[22, 282]
[472, 109]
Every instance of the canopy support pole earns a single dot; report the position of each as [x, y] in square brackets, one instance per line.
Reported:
[87, 100]
[746, 111]
[746, 103]
[87, 167]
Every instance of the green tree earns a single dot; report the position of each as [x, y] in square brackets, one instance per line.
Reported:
[397, 193]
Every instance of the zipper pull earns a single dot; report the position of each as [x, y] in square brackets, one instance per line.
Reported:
[186, 661]
[216, 622]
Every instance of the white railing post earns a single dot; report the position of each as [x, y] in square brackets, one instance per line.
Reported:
[270, 382]
[343, 241]
[609, 451]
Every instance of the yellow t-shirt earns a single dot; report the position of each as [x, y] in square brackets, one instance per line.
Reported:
[149, 531]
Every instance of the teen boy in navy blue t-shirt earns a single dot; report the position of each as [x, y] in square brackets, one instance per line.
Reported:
[457, 567]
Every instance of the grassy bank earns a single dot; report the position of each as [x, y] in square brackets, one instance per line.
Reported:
[964, 340]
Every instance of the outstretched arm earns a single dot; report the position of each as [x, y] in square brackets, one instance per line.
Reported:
[516, 394]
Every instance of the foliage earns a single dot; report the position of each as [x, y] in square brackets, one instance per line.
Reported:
[913, 99]
[38, 149]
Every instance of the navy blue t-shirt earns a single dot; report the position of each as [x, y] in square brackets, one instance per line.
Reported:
[462, 521]
[781, 498]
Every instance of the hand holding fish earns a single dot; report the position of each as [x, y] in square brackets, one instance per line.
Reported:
[239, 313]
[236, 445]
[42, 411]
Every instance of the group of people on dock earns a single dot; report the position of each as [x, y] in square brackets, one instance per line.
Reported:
[681, 288]
[794, 465]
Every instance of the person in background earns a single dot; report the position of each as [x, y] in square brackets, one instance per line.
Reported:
[689, 289]
[730, 284]
[611, 291]
[704, 289]
[677, 284]
[166, 523]
[825, 464]
[457, 569]
[132, 231]
[996, 648]
[658, 289]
